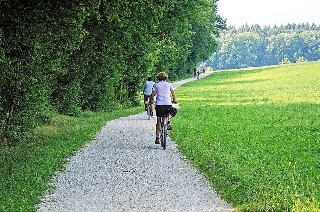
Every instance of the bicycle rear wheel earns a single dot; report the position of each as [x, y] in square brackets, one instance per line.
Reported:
[149, 111]
[164, 136]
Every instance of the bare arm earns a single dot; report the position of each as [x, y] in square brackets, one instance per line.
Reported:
[152, 96]
[173, 96]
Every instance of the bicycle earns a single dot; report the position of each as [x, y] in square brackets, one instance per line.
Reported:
[149, 111]
[164, 129]
[163, 132]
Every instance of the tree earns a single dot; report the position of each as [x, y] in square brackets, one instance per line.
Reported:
[71, 56]
[256, 46]
[30, 61]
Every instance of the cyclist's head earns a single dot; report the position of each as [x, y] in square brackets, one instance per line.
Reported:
[162, 76]
[149, 78]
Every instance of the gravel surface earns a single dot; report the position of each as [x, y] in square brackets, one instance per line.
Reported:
[123, 170]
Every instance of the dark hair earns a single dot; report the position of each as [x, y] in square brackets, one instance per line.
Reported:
[149, 78]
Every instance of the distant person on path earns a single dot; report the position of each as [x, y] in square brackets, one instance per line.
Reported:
[198, 74]
[147, 91]
[163, 90]
[194, 73]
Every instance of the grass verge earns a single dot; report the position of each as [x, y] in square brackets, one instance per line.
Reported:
[255, 134]
[26, 170]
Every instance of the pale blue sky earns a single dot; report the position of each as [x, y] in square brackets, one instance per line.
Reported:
[270, 12]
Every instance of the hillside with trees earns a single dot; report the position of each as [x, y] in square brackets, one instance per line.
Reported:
[254, 46]
[73, 56]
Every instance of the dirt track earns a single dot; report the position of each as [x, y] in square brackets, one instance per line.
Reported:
[123, 170]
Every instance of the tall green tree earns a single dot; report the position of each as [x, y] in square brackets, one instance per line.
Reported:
[30, 61]
[70, 56]
[260, 46]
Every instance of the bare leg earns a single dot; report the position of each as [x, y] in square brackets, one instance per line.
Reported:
[145, 105]
[158, 126]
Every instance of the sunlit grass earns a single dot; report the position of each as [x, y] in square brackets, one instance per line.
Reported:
[274, 85]
[256, 135]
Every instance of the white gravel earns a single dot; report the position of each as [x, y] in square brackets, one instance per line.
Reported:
[123, 170]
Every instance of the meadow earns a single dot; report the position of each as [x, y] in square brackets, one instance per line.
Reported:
[27, 169]
[255, 135]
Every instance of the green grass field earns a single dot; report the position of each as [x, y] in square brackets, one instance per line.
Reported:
[255, 134]
[27, 169]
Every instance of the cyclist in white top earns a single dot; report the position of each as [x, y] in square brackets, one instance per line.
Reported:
[147, 91]
[162, 90]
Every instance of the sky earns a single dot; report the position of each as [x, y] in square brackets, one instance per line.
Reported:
[269, 12]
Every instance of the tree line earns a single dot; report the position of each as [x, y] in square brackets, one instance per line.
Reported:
[254, 46]
[72, 56]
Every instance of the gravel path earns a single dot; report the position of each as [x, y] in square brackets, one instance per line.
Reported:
[123, 170]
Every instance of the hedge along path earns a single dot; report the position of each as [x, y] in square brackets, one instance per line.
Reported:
[123, 170]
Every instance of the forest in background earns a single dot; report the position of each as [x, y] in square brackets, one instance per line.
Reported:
[254, 46]
[73, 56]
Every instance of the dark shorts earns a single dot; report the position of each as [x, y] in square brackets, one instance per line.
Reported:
[162, 110]
[146, 97]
